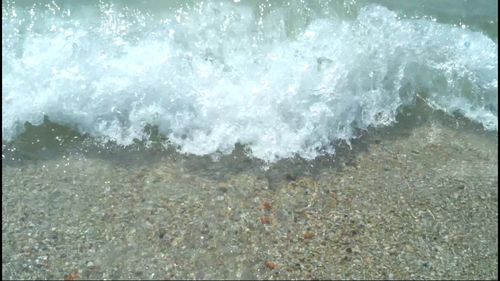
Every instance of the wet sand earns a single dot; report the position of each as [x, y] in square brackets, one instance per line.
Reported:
[419, 205]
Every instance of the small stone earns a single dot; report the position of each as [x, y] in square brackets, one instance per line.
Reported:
[427, 264]
[265, 220]
[72, 276]
[161, 233]
[267, 206]
[271, 265]
[309, 235]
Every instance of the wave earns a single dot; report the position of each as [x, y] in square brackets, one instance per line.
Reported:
[216, 74]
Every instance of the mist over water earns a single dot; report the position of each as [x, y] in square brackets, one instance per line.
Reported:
[283, 78]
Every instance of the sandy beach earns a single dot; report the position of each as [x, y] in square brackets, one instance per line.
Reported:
[421, 204]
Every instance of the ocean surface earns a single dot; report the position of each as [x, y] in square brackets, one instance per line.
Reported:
[281, 78]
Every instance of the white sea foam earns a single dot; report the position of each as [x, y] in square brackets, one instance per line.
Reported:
[215, 75]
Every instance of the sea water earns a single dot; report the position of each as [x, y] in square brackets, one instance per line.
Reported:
[282, 78]
[212, 139]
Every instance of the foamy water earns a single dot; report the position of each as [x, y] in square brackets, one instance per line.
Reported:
[213, 74]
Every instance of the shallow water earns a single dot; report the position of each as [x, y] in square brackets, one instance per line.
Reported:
[417, 202]
[249, 139]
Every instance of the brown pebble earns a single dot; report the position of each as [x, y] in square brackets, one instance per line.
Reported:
[265, 220]
[72, 276]
[267, 206]
[309, 235]
[271, 265]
